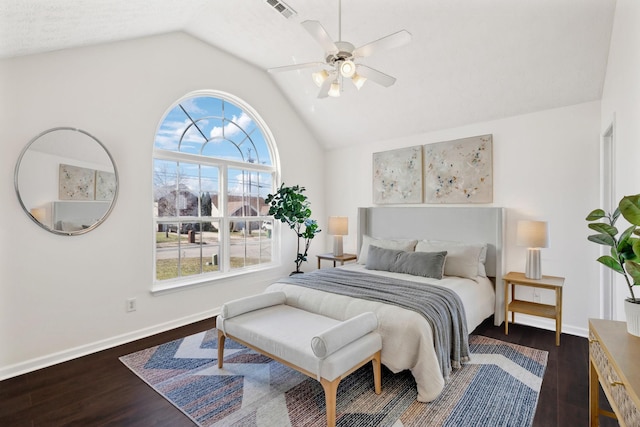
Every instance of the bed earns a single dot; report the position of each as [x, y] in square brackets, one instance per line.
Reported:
[408, 339]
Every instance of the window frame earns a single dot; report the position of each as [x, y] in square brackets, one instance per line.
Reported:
[223, 165]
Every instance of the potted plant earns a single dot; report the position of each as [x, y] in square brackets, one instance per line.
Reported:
[291, 207]
[625, 250]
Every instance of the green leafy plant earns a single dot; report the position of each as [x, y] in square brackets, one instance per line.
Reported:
[625, 249]
[290, 206]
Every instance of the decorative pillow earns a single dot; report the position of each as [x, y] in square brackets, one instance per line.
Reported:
[380, 258]
[426, 264]
[254, 302]
[463, 259]
[338, 336]
[401, 245]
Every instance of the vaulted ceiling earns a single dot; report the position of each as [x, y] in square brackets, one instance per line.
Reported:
[468, 61]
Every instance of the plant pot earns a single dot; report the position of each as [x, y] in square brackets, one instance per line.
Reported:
[632, 311]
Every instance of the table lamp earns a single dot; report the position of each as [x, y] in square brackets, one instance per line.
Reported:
[338, 227]
[533, 235]
[40, 214]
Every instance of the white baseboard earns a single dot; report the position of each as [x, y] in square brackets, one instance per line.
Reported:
[73, 353]
[549, 324]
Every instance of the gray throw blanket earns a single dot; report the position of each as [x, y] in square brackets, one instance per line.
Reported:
[441, 307]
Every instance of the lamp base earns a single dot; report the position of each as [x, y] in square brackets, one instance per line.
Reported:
[337, 246]
[534, 266]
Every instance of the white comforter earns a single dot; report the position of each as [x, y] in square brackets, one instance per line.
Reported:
[407, 340]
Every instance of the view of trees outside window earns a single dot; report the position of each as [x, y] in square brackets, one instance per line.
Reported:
[213, 168]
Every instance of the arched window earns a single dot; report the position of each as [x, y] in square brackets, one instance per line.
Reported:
[214, 162]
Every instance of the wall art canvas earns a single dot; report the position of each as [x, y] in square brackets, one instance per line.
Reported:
[105, 185]
[459, 171]
[397, 176]
[76, 183]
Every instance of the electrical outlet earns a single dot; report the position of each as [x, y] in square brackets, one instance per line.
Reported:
[536, 295]
[131, 305]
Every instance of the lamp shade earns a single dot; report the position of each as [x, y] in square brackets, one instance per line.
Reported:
[358, 80]
[338, 225]
[319, 77]
[40, 214]
[334, 89]
[532, 234]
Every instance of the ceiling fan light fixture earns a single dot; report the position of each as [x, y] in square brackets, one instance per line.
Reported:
[334, 90]
[358, 80]
[347, 68]
[319, 77]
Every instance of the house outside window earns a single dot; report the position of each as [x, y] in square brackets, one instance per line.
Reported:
[214, 162]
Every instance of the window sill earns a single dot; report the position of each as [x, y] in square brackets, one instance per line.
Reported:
[267, 272]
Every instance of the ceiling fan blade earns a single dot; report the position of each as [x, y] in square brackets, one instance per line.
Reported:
[392, 40]
[376, 76]
[318, 32]
[296, 67]
[326, 85]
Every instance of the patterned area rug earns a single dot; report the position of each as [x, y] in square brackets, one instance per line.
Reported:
[499, 387]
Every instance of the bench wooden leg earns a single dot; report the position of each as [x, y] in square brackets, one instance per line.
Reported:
[221, 339]
[330, 392]
[377, 372]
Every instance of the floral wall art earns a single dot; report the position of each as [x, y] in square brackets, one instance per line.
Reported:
[397, 176]
[459, 171]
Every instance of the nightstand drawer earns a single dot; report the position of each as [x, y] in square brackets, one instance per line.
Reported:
[613, 384]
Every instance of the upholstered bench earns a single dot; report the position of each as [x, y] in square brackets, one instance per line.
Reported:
[321, 347]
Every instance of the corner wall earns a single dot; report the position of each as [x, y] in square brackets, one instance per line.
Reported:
[621, 106]
[545, 167]
[61, 297]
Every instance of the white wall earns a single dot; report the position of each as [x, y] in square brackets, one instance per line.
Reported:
[60, 297]
[621, 105]
[545, 167]
[64, 296]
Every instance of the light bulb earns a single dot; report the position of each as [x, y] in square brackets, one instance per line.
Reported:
[347, 68]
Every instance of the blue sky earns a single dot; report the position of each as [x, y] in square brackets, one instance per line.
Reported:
[223, 130]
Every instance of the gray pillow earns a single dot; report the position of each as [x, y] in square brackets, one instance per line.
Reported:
[380, 258]
[426, 264]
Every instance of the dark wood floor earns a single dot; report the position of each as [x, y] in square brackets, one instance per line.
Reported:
[98, 390]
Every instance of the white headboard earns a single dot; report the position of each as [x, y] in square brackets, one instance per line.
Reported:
[464, 224]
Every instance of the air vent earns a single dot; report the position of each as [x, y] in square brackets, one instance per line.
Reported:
[281, 8]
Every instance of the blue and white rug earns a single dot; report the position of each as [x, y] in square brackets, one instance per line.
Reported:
[499, 387]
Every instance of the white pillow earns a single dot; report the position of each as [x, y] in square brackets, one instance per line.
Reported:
[338, 336]
[400, 245]
[463, 259]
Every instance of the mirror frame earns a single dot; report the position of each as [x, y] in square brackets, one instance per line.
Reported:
[26, 210]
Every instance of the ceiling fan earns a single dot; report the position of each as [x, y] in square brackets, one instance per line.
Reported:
[341, 59]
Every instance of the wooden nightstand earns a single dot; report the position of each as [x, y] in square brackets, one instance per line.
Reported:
[334, 258]
[533, 308]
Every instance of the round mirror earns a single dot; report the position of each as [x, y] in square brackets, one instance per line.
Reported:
[66, 181]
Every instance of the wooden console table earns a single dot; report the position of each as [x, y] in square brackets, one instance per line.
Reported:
[613, 362]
